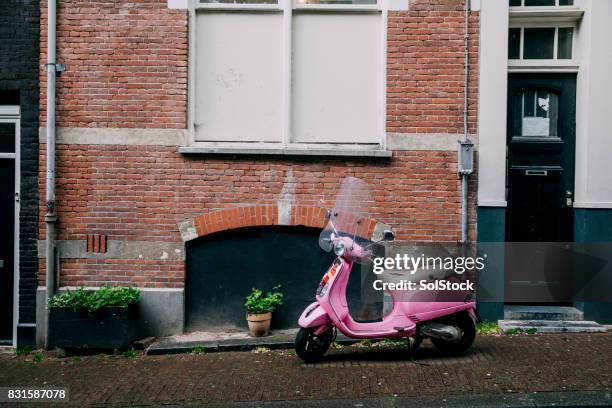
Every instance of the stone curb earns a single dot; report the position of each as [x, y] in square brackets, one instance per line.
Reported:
[162, 347]
[558, 399]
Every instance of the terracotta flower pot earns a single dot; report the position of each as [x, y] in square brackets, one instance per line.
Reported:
[259, 324]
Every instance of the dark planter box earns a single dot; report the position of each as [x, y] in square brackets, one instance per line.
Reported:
[107, 328]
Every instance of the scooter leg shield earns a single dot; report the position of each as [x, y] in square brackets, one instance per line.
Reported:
[314, 316]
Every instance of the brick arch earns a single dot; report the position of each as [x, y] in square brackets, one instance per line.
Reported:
[264, 215]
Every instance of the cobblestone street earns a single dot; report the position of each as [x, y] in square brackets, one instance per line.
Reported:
[504, 364]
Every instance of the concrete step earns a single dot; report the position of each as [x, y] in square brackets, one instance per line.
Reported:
[518, 312]
[552, 326]
[232, 341]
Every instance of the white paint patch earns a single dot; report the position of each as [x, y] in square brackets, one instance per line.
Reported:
[286, 198]
[475, 5]
[178, 251]
[178, 4]
[284, 212]
[187, 229]
[164, 255]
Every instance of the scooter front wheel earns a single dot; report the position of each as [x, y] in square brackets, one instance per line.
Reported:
[310, 347]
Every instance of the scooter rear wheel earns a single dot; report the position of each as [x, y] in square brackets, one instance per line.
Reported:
[464, 322]
[311, 348]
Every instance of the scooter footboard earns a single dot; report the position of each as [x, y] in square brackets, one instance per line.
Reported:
[314, 316]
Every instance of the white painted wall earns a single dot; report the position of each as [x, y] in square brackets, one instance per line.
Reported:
[492, 90]
[594, 107]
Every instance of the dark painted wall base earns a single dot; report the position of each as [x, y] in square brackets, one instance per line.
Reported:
[490, 290]
[594, 225]
[223, 267]
[26, 336]
[490, 311]
[600, 312]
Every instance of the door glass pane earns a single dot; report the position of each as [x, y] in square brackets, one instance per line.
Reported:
[514, 43]
[539, 3]
[7, 138]
[566, 35]
[515, 3]
[539, 43]
[566, 2]
[539, 113]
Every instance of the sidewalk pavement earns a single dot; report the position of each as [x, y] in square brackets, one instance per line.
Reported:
[521, 370]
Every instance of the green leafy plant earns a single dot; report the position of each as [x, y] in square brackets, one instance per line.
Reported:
[91, 301]
[488, 328]
[257, 302]
[23, 351]
[514, 332]
[129, 353]
[197, 350]
[38, 357]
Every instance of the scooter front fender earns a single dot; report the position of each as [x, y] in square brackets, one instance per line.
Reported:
[314, 316]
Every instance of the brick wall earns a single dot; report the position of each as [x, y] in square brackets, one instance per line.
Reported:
[19, 31]
[425, 71]
[138, 193]
[126, 64]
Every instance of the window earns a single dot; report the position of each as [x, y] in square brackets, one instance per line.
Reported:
[540, 43]
[536, 113]
[276, 74]
[540, 3]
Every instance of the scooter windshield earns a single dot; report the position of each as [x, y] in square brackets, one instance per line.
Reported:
[350, 216]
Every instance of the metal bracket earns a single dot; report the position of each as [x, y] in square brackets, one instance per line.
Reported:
[58, 67]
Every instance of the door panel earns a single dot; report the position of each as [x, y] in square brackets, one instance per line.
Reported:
[7, 230]
[541, 149]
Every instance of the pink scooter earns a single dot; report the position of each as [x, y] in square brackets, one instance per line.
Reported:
[449, 324]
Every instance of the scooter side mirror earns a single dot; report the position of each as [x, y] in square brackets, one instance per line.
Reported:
[388, 235]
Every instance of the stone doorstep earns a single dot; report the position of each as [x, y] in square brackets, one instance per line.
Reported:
[521, 312]
[235, 341]
[553, 326]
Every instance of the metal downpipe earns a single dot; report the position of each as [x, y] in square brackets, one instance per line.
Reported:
[50, 216]
[464, 176]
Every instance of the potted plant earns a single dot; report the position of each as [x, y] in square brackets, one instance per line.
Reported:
[259, 310]
[100, 319]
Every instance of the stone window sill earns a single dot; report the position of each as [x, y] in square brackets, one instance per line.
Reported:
[293, 151]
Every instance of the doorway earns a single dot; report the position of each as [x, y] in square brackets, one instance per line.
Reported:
[541, 129]
[9, 202]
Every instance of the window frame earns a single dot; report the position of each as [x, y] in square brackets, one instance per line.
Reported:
[286, 145]
[523, 6]
[12, 114]
[559, 65]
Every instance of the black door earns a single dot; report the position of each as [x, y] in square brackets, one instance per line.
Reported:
[7, 230]
[541, 149]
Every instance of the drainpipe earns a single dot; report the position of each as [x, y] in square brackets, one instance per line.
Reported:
[464, 173]
[50, 216]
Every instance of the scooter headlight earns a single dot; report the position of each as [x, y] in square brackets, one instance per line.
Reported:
[339, 248]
